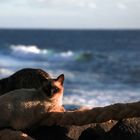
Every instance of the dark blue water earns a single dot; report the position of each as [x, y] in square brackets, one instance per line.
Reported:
[100, 66]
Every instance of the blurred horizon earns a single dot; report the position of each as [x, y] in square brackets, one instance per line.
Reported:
[68, 29]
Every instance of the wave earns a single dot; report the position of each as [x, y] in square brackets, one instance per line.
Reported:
[34, 52]
[84, 56]
[31, 49]
[67, 54]
[28, 52]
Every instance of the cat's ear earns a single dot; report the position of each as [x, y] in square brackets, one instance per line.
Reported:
[60, 79]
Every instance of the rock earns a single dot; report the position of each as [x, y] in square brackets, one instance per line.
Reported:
[69, 132]
[128, 129]
[97, 131]
[8, 134]
[49, 133]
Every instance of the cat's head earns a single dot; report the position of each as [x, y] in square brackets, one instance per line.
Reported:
[54, 88]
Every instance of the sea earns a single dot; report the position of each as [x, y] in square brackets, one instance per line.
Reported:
[101, 67]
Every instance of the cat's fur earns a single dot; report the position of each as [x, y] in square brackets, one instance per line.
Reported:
[24, 78]
[23, 108]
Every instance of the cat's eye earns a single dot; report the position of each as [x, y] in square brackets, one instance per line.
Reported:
[55, 89]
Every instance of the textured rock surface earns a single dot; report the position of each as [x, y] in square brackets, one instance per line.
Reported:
[127, 129]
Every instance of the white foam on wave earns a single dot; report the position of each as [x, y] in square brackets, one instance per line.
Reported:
[34, 52]
[67, 54]
[31, 49]
[62, 56]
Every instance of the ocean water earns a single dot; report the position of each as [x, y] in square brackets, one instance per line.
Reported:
[101, 67]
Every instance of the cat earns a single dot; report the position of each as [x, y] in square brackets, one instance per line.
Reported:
[22, 108]
[24, 78]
